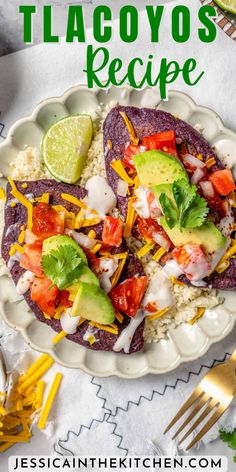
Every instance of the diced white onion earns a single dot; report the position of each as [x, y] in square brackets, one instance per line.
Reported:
[122, 188]
[161, 240]
[82, 239]
[16, 258]
[207, 189]
[141, 205]
[197, 176]
[194, 161]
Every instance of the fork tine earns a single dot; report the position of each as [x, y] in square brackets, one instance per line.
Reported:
[204, 414]
[197, 393]
[200, 404]
[214, 418]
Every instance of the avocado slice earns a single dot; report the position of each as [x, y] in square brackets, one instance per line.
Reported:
[93, 304]
[207, 236]
[163, 188]
[157, 167]
[55, 241]
[87, 276]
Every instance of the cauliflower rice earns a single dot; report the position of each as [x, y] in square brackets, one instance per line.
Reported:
[29, 166]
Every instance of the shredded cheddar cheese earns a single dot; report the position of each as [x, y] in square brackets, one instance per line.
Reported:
[13, 204]
[200, 313]
[79, 219]
[108, 328]
[2, 194]
[59, 337]
[158, 255]
[23, 200]
[91, 222]
[91, 339]
[109, 144]
[34, 367]
[119, 317]
[58, 312]
[145, 250]
[118, 271]
[36, 375]
[133, 137]
[51, 397]
[74, 200]
[158, 314]
[24, 185]
[96, 248]
[210, 162]
[130, 219]
[228, 255]
[45, 198]
[21, 237]
[121, 255]
[176, 281]
[222, 267]
[200, 157]
[92, 234]
[14, 248]
[118, 167]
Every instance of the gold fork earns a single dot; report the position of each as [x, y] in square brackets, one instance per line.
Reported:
[214, 393]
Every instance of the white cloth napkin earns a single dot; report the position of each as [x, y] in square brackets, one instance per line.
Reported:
[114, 416]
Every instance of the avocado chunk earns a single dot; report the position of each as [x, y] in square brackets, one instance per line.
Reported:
[163, 188]
[207, 236]
[55, 241]
[93, 304]
[157, 167]
[85, 275]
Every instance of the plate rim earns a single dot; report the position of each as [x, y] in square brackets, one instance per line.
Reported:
[81, 365]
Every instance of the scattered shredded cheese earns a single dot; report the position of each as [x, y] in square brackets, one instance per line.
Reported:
[16, 248]
[23, 200]
[109, 144]
[108, 328]
[45, 198]
[40, 387]
[13, 204]
[158, 314]
[210, 162]
[200, 313]
[36, 375]
[118, 271]
[121, 255]
[130, 128]
[92, 234]
[74, 200]
[24, 185]
[119, 317]
[145, 250]
[118, 167]
[59, 337]
[79, 219]
[200, 157]
[21, 237]
[158, 255]
[2, 194]
[91, 222]
[96, 248]
[230, 253]
[49, 401]
[222, 267]
[176, 281]
[130, 219]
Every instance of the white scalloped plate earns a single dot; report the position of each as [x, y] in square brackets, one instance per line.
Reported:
[185, 343]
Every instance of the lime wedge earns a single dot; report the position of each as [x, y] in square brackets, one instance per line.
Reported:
[228, 5]
[65, 147]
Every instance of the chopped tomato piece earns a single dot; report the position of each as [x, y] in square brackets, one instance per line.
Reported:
[155, 211]
[93, 260]
[127, 296]
[130, 151]
[112, 231]
[223, 181]
[45, 295]
[32, 258]
[63, 299]
[152, 232]
[192, 261]
[164, 141]
[47, 222]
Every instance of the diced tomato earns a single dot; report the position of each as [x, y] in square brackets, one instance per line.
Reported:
[164, 141]
[223, 181]
[32, 258]
[130, 151]
[47, 222]
[112, 231]
[148, 230]
[127, 296]
[45, 295]
[192, 260]
[63, 299]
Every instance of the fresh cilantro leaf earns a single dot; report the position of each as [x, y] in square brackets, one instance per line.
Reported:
[62, 266]
[190, 211]
[171, 213]
[195, 215]
[230, 439]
